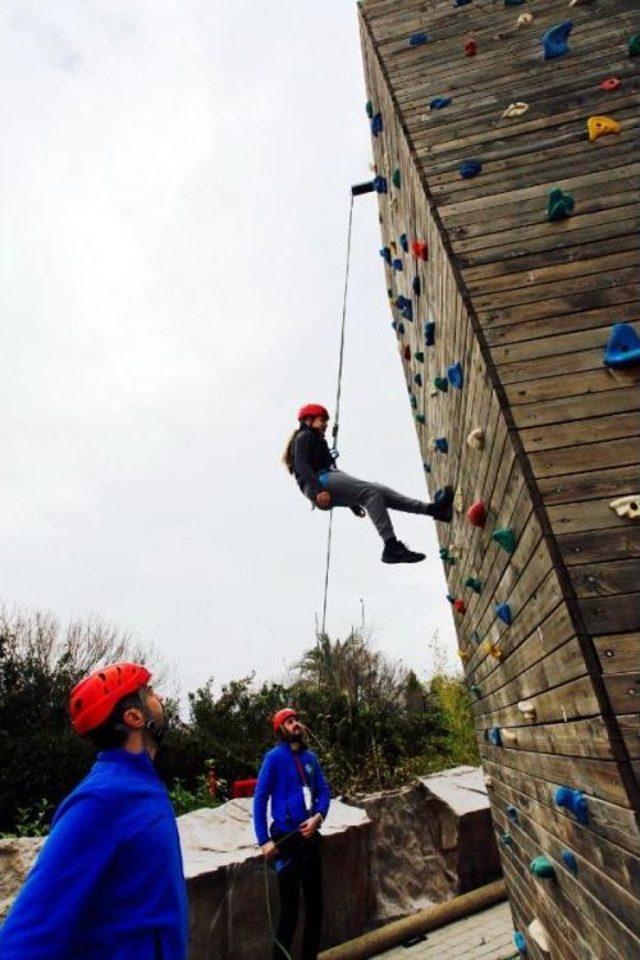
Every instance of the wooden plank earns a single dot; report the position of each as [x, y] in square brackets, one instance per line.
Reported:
[619, 614]
[601, 486]
[608, 453]
[602, 579]
[624, 691]
[618, 652]
[593, 381]
[588, 431]
[588, 546]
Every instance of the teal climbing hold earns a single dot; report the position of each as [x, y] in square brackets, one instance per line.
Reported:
[419, 355]
[574, 801]
[420, 417]
[395, 324]
[385, 253]
[503, 610]
[441, 445]
[520, 943]
[454, 373]
[414, 402]
[418, 39]
[623, 346]
[418, 378]
[441, 383]
[376, 125]
[570, 862]
[506, 538]
[369, 109]
[513, 3]
[396, 178]
[380, 184]
[554, 41]
[404, 242]
[560, 204]
[494, 736]
[416, 286]
[512, 813]
[429, 333]
[397, 264]
[444, 553]
[474, 584]
[542, 867]
[634, 45]
[506, 839]
[475, 690]
[469, 169]
[438, 103]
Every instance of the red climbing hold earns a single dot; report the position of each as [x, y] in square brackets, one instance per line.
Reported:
[612, 83]
[420, 250]
[406, 353]
[470, 47]
[459, 606]
[477, 514]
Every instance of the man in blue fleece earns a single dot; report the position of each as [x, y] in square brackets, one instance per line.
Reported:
[108, 884]
[292, 778]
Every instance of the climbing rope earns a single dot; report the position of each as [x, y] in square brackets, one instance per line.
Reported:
[336, 422]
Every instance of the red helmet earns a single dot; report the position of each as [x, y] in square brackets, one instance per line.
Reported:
[93, 699]
[312, 410]
[281, 716]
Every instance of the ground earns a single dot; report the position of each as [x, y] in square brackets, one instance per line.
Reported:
[483, 936]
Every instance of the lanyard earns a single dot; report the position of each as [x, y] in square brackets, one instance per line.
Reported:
[298, 763]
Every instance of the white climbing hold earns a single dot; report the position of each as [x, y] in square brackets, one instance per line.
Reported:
[539, 936]
[524, 20]
[627, 507]
[515, 110]
[476, 439]
[527, 709]
[488, 781]
[458, 501]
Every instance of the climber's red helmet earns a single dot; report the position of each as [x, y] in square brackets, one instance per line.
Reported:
[313, 410]
[93, 699]
[282, 716]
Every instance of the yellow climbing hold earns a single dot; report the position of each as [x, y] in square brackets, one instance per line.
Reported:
[600, 126]
[464, 655]
[515, 110]
[494, 650]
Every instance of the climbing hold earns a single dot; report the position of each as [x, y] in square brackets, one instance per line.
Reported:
[506, 538]
[469, 169]
[376, 125]
[627, 506]
[401, 302]
[463, 654]
[494, 650]
[515, 110]
[513, 3]
[475, 690]
[454, 373]
[560, 204]
[385, 253]
[570, 862]
[540, 936]
[414, 402]
[404, 243]
[542, 867]
[503, 611]
[416, 286]
[601, 126]
[441, 383]
[474, 584]
[460, 606]
[369, 109]
[512, 813]
[611, 83]
[446, 556]
[476, 439]
[475, 637]
[488, 781]
[554, 41]
[574, 801]
[441, 445]
[527, 709]
[438, 103]
[400, 327]
[623, 346]
[634, 45]
[396, 264]
[418, 39]
[420, 417]
[396, 178]
[419, 356]
[520, 943]
[420, 250]
[461, 3]
[477, 514]
[426, 467]
[429, 333]
[505, 837]
[418, 379]
[395, 324]
[494, 736]
[470, 47]
[380, 184]
[458, 501]
[524, 20]
[406, 353]
[394, 247]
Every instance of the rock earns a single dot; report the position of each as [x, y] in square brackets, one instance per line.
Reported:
[17, 855]
[226, 880]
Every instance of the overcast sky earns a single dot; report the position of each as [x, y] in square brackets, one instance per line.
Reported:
[175, 182]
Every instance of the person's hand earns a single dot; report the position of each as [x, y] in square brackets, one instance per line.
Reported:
[359, 511]
[309, 827]
[323, 499]
[269, 850]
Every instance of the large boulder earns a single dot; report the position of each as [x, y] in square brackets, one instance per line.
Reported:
[16, 859]
[233, 895]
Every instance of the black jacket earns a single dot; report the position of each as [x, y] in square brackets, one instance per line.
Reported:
[311, 455]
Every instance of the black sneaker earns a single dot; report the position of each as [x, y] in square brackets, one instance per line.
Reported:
[396, 552]
[442, 506]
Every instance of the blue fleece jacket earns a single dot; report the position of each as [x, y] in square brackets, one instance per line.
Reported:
[281, 780]
[108, 884]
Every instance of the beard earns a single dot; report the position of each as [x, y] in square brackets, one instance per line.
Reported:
[298, 736]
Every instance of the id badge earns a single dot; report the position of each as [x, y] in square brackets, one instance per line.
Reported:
[308, 799]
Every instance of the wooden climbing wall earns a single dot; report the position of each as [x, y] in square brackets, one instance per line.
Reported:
[526, 306]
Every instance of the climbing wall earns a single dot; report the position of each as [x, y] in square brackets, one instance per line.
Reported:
[505, 142]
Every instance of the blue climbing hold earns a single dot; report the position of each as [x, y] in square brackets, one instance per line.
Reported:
[450, 598]
[520, 943]
[376, 124]
[418, 379]
[426, 467]
[397, 264]
[575, 801]
[461, 3]
[441, 445]
[506, 839]
[380, 184]
[455, 376]
[554, 41]
[404, 242]
[623, 348]
[418, 39]
[407, 312]
[503, 610]
[395, 324]
[438, 103]
[416, 286]
[494, 736]
[385, 253]
[570, 862]
[475, 636]
[429, 333]
[469, 169]
[512, 813]
[401, 302]
[400, 327]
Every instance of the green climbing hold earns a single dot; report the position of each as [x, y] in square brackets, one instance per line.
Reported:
[634, 45]
[369, 109]
[543, 868]
[396, 178]
[446, 557]
[474, 584]
[420, 418]
[506, 538]
[419, 356]
[475, 690]
[441, 383]
[560, 204]
[506, 839]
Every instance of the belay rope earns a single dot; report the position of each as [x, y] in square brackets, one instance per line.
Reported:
[336, 421]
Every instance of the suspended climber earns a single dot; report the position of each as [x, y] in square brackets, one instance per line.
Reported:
[308, 458]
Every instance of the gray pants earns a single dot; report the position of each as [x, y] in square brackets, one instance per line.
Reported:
[347, 491]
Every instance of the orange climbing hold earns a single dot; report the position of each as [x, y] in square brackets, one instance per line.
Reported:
[470, 47]
[611, 83]
[420, 249]
[601, 126]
